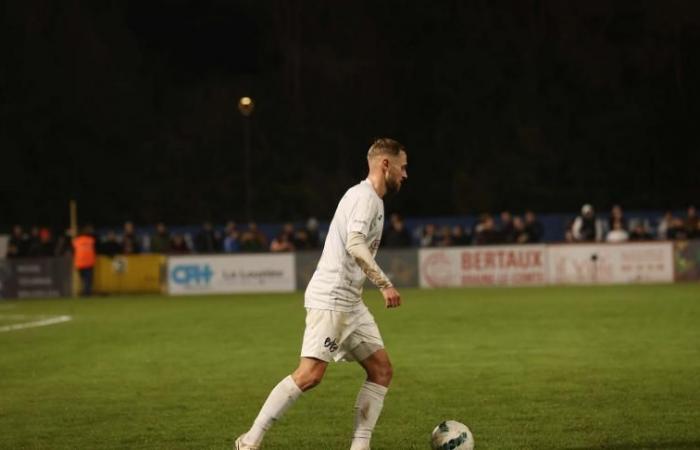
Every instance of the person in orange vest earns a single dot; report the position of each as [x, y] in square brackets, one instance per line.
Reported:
[84, 258]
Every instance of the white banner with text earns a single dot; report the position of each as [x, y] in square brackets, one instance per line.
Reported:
[643, 262]
[483, 266]
[209, 274]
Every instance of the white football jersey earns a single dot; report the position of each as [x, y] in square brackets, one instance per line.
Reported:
[337, 282]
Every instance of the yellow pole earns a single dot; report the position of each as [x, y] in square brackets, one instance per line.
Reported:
[73, 211]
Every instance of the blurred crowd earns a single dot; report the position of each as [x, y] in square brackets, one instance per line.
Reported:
[617, 227]
[39, 241]
[506, 228]
[509, 229]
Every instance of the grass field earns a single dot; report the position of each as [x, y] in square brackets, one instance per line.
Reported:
[531, 368]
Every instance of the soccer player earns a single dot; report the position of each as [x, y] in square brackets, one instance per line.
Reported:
[338, 324]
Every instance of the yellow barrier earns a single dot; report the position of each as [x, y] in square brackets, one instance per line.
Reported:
[129, 274]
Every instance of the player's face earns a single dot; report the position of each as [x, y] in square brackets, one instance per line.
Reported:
[396, 172]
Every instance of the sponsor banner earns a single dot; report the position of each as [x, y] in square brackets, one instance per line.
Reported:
[648, 262]
[231, 273]
[520, 265]
[686, 258]
[400, 265]
[129, 274]
[4, 242]
[35, 278]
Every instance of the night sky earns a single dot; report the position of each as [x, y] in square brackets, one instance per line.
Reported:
[131, 107]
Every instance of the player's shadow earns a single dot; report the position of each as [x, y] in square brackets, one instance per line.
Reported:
[643, 446]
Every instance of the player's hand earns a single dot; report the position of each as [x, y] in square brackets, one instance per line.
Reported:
[392, 298]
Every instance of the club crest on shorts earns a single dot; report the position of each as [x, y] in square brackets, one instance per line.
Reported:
[330, 345]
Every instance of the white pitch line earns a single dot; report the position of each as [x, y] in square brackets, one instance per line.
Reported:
[37, 323]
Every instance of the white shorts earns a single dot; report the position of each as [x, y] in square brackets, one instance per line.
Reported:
[340, 336]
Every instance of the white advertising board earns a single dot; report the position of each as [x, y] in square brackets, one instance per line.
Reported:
[648, 262]
[209, 274]
[483, 266]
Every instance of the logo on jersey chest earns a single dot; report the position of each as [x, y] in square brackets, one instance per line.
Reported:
[373, 224]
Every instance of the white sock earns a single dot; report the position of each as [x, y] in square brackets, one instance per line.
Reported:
[368, 407]
[280, 399]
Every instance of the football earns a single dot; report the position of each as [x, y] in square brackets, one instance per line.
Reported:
[452, 435]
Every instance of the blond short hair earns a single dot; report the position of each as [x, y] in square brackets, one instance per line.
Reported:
[385, 146]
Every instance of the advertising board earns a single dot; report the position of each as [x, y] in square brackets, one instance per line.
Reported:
[209, 274]
[483, 266]
[644, 262]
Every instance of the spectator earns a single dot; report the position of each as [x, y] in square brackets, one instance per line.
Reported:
[569, 232]
[485, 231]
[84, 258]
[313, 233]
[443, 237]
[428, 239]
[520, 235]
[301, 240]
[18, 246]
[47, 247]
[232, 243]
[691, 222]
[252, 240]
[396, 235]
[179, 246]
[281, 243]
[130, 241]
[34, 248]
[676, 229]
[249, 244]
[617, 233]
[207, 240]
[258, 235]
[506, 231]
[288, 229]
[41, 243]
[640, 233]
[584, 227]
[109, 245]
[160, 240]
[459, 236]
[533, 227]
[616, 214]
[64, 243]
[664, 224]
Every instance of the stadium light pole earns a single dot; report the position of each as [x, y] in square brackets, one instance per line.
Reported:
[246, 106]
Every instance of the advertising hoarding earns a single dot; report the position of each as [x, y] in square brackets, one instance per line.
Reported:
[520, 265]
[644, 262]
[209, 274]
[35, 277]
[129, 274]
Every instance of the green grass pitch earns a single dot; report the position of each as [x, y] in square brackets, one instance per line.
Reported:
[525, 368]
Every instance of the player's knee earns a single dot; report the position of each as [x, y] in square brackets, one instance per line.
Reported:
[382, 374]
[387, 373]
[312, 381]
[307, 380]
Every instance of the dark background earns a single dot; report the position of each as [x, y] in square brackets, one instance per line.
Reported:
[130, 107]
